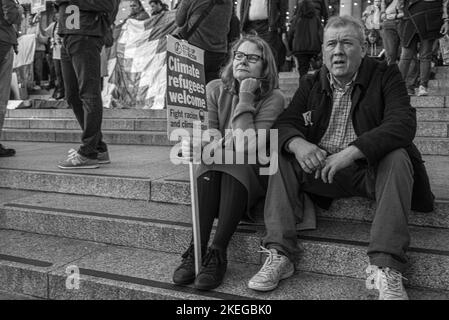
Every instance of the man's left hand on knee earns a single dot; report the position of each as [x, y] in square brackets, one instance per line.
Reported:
[338, 161]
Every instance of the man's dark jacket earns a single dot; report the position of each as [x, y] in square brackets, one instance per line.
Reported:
[96, 16]
[9, 15]
[381, 113]
[277, 14]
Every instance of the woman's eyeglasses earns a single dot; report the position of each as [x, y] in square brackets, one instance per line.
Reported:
[252, 58]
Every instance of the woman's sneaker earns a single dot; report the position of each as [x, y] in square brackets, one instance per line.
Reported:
[276, 268]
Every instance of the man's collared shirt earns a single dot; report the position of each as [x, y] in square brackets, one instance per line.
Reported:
[340, 132]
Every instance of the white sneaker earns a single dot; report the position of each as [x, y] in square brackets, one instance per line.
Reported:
[388, 281]
[422, 91]
[276, 268]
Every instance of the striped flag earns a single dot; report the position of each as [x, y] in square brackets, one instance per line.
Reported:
[137, 64]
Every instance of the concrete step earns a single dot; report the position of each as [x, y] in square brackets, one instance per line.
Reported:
[429, 128]
[72, 124]
[36, 265]
[433, 146]
[335, 248]
[439, 83]
[35, 168]
[149, 138]
[431, 138]
[136, 114]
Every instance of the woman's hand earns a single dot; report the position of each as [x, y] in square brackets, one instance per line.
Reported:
[249, 85]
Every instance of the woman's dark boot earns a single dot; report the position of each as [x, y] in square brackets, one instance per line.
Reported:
[212, 270]
[185, 273]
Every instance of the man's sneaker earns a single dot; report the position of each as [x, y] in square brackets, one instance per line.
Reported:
[103, 157]
[185, 273]
[422, 91]
[6, 152]
[276, 268]
[77, 161]
[388, 281]
[212, 270]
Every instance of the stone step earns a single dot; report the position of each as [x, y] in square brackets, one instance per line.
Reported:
[439, 83]
[139, 114]
[441, 76]
[135, 171]
[134, 114]
[433, 146]
[429, 128]
[36, 265]
[434, 143]
[149, 138]
[72, 124]
[335, 248]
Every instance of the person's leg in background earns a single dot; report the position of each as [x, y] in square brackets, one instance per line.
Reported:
[303, 63]
[5, 88]
[81, 72]
[39, 57]
[425, 58]
[391, 42]
[413, 76]
[59, 92]
[407, 55]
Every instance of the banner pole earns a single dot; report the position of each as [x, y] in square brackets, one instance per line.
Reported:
[195, 218]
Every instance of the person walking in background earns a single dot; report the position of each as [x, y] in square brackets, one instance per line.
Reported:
[371, 16]
[39, 55]
[10, 15]
[81, 69]
[211, 34]
[391, 17]
[137, 11]
[157, 7]
[424, 22]
[56, 44]
[305, 36]
[267, 19]
[246, 97]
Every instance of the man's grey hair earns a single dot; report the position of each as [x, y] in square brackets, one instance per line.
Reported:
[346, 20]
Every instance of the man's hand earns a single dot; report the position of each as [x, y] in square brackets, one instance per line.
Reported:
[445, 28]
[309, 156]
[338, 161]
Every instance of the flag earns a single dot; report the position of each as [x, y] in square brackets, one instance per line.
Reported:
[137, 63]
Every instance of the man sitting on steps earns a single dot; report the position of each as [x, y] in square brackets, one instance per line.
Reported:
[347, 132]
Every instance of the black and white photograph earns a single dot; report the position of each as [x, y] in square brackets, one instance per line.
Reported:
[224, 158]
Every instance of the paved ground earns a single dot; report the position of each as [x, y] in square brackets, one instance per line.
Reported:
[10, 296]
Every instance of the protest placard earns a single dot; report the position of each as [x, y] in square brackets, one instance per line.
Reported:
[186, 86]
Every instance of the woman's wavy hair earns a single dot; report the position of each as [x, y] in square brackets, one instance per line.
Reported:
[269, 79]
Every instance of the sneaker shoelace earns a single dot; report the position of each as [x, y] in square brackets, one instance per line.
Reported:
[389, 279]
[271, 263]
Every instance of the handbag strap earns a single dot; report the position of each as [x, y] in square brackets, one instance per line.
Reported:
[204, 14]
